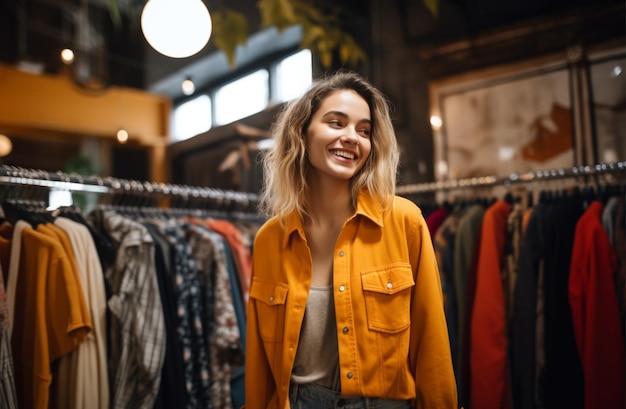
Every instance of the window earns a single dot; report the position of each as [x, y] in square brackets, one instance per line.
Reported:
[227, 102]
[192, 118]
[293, 76]
[243, 97]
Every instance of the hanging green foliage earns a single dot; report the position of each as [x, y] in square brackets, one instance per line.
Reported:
[432, 6]
[322, 32]
[230, 29]
[114, 11]
[279, 13]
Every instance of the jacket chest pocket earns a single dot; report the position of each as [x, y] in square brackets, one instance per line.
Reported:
[270, 298]
[387, 293]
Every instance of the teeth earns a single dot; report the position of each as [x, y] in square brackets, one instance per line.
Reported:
[343, 154]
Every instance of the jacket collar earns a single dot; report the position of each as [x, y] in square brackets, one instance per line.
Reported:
[366, 206]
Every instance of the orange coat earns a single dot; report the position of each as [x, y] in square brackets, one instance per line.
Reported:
[393, 338]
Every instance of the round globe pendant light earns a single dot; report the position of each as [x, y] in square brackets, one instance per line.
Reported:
[176, 28]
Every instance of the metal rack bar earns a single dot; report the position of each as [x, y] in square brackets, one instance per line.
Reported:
[11, 175]
[514, 178]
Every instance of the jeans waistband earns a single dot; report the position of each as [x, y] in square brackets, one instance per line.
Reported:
[326, 397]
[317, 396]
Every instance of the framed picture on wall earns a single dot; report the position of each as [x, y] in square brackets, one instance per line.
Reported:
[504, 121]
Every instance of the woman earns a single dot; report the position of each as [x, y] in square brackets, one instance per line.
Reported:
[345, 301]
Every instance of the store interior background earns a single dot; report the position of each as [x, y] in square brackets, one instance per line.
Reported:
[52, 118]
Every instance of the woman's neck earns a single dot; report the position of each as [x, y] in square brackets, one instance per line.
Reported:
[330, 205]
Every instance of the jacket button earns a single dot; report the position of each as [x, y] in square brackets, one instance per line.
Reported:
[341, 254]
[346, 330]
[349, 375]
[271, 299]
[389, 285]
[342, 288]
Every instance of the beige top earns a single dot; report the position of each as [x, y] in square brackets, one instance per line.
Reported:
[317, 357]
[84, 375]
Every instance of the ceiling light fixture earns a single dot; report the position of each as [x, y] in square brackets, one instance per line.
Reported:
[122, 136]
[436, 122]
[188, 86]
[176, 28]
[67, 55]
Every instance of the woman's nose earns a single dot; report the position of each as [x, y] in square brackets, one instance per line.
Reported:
[351, 136]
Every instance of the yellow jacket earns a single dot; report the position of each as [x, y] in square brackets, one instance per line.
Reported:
[393, 339]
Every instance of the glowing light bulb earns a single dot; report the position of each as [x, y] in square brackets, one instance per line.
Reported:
[436, 122]
[188, 86]
[176, 28]
[122, 136]
[67, 55]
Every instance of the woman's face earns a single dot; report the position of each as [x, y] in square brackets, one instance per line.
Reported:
[338, 137]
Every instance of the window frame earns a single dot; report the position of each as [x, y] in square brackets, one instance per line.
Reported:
[269, 63]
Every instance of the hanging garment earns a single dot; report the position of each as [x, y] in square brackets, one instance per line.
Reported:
[241, 252]
[45, 278]
[12, 275]
[561, 382]
[435, 219]
[83, 374]
[466, 250]
[225, 347]
[136, 328]
[613, 222]
[191, 288]
[489, 382]
[172, 390]
[443, 243]
[595, 312]
[8, 396]
[525, 306]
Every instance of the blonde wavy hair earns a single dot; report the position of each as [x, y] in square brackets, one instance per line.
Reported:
[285, 165]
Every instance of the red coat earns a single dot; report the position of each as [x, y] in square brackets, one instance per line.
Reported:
[489, 384]
[595, 312]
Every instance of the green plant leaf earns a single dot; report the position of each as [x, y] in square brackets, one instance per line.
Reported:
[432, 6]
[350, 52]
[311, 35]
[279, 13]
[307, 13]
[114, 12]
[230, 29]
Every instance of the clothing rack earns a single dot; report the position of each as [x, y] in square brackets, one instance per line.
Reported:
[73, 182]
[514, 178]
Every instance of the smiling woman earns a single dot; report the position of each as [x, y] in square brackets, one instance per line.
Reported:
[340, 253]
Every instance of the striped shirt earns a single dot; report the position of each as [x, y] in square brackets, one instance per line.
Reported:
[137, 329]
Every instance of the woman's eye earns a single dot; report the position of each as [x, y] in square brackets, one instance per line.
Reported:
[335, 123]
[365, 132]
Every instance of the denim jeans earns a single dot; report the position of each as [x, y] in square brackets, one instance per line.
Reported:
[317, 397]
